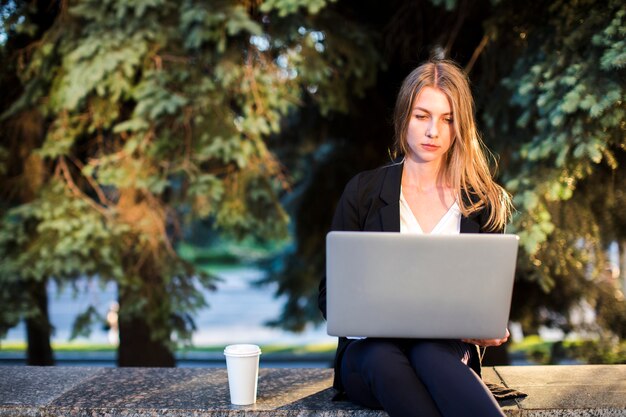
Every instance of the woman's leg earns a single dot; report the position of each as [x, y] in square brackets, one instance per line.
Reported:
[456, 389]
[377, 374]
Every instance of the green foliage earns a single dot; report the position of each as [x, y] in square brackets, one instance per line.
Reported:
[575, 110]
[605, 350]
[448, 4]
[212, 24]
[547, 105]
[58, 235]
[563, 144]
[154, 114]
[287, 7]
[125, 122]
[15, 304]
[83, 321]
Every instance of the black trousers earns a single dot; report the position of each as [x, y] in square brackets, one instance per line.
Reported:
[410, 377]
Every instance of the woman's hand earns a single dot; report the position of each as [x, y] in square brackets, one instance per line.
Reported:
[489, 342]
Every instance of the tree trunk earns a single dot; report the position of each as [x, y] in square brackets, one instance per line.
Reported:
[137, 345]
[38, 329]
[137, 348]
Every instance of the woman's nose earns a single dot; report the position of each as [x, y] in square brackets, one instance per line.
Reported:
[431, 131]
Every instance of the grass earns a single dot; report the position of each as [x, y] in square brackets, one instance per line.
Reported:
[531, 343]
[313, 349]
[224, 252]
[59, 347]
[19, 347]
[539, 351]
[533, 348]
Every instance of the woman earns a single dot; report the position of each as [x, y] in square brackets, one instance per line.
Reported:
[441, 185]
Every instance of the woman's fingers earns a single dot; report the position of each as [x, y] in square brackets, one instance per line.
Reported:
[489, 342]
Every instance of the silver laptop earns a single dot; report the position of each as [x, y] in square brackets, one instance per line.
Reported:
[382, 284]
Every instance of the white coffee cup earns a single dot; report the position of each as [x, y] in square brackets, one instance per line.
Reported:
[242, 363]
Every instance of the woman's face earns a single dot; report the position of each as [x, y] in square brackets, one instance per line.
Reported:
[431, 127]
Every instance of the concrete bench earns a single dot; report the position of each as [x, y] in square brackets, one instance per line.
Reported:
[579, 390]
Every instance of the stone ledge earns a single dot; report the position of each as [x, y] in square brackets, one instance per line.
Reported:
[579, 390]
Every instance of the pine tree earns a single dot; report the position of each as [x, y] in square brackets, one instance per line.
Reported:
[132, 120]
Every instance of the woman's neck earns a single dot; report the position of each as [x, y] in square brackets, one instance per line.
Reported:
[422, 176]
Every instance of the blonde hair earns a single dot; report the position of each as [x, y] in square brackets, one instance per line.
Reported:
[466, 166]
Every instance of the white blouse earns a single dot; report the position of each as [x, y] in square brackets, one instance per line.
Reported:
[449, 224]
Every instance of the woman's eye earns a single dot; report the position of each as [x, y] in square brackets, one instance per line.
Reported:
[420, 116]
[448, 120]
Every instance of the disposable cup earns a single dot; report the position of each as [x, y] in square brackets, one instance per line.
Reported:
[242, 363]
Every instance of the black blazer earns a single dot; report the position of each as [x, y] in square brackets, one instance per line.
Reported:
[371, 202]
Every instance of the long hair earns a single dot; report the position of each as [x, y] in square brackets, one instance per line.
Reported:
[465, 167]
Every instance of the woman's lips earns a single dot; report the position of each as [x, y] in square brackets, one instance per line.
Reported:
[430, 147]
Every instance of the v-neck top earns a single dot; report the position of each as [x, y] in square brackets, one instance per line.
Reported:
[449, 224]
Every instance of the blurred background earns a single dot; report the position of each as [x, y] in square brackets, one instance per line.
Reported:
[169, 169]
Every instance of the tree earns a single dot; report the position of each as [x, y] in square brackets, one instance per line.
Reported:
[568, 87]
[549, 87]
[127, 122]
[404, 33]
[22, 297]
[148, 116]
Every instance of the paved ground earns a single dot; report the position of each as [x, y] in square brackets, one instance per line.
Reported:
[579, 390]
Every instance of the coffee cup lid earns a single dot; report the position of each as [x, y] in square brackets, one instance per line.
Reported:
[242, 350]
